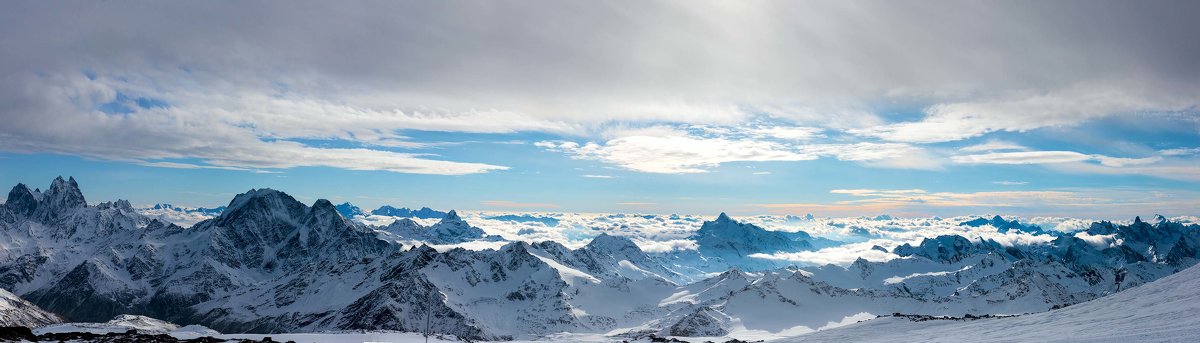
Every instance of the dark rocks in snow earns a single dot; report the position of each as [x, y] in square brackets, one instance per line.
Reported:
[24, 334]
[16, 333]
[702, 323]
[966, 317]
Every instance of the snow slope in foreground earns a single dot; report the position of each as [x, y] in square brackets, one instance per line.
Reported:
[385, 336]
[1167, 310]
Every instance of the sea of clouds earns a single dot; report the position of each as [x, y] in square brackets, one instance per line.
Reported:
[657, 233]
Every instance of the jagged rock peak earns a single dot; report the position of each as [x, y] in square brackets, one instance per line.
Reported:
[21, 200]
[451, 216]
[263, 201]
[64, 194]
[945, 248]
[404, 223]
[323, 205]
[723, 218]
[348, 210]
[120, 204]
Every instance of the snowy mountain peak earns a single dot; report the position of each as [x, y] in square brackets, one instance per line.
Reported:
[1003, 226]
[348, 210]
[263, 202]
[63, 194]
[610, 243]
[726, 236]
[424, 212]
[451, 216]
[323, 210]
[451, 229]
[21, 200]
[324, 205]
[120, 204]
[945, 248]
[61, 197]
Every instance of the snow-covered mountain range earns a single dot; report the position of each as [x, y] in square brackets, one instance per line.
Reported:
[268, 263]
[1160, 311]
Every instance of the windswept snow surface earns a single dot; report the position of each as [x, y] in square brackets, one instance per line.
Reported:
[1167, 310]
[124, 323]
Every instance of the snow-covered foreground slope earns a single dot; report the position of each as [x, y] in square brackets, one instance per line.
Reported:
[121, 323]
[15, 311]
[1167, 310]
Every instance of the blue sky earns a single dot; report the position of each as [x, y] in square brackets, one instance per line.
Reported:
[938, 109]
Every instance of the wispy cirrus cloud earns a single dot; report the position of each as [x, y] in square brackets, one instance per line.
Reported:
[1045, 157]
[1025, 111]
[1180, 151]
[1087, 202]
[993, 145]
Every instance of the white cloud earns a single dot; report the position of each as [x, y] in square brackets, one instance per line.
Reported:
[993, 146]
[1179, 151]
[181, 137]
[677, 153]
[840, 255]
[788, 133]
[1044, 157]
[592, 176]
[1098, 241]
[667, 150]
[526, 68]
[666, 246]
[1061, 224]
[883, 155]
[1010, 183]
[1088, 202]
[954, 121]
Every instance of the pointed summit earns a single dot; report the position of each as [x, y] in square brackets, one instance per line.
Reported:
[451, 216]
[348, 210]
[263, 204]
[723, 217]
[21, 200]
[323, 205]
[63, 194]
[609, 242]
